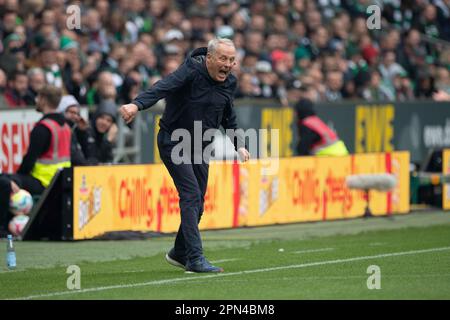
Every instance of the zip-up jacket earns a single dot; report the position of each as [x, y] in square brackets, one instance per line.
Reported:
[192, 95]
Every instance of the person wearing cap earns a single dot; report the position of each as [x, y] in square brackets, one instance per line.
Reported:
[48, 152]
[104, 130]
[199, 92]
[315, 137]
[267, 79]
[82, 145]
[72, 76]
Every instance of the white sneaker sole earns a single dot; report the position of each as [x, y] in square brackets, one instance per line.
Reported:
[174, 262]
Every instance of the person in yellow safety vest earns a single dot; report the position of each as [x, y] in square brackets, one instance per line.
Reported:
[315, 137]
[48, 152]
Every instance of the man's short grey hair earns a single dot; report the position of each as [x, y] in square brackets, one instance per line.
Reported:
[212, 44]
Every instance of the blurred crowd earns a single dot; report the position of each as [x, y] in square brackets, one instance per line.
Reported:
[324, 48]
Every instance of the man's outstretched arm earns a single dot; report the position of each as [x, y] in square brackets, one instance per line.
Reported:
[160, 90]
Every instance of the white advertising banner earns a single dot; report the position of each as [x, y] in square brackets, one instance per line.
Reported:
[15, 128]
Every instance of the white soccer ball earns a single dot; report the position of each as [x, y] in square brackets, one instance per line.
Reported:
[21, 202]
[17, 224]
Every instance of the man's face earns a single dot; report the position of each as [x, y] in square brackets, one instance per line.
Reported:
[37, 81]
[9, 21]
[21, 84]
[334, 81]
[221, 62]
[48, 58]
[389, 58]
[72, 113]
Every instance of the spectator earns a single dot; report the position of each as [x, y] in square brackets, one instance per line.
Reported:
[318, 44]
[9, 22]
[103, 89]
[118, 30]
[376, 90]
[82, 145]
[48, 62]
[313, 20]
[425, 85]
[92, 26]
[258, 23]
[389, 68]
[283, 62]
[413, 54]
[145, 60]
[368, 50]
[349, 91]
[104, 130]
[247, 87]
[390, 41]
[71, 67]
[111, 63]
[428, 23]
[334, 84]
[130, 88]
[16, 92]
[268, 80]
[403, 87]
[254, 43]
[443, 79]
[316, 138]
[36, 82]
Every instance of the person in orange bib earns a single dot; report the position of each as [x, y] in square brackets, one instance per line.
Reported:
[316, 138]
[48, 152]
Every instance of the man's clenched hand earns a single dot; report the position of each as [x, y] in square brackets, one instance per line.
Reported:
[128, 112]
[244, 154]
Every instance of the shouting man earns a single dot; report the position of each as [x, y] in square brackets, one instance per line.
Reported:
[201, 89]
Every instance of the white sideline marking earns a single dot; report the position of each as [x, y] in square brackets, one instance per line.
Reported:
[224, 260]
[220, 275]
[314, 250]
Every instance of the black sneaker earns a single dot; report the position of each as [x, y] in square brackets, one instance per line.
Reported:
[174, 260]
[201, 266]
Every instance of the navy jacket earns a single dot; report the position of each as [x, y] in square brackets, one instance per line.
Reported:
[192, 95]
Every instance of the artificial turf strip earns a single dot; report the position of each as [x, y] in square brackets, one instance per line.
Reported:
[318, 266]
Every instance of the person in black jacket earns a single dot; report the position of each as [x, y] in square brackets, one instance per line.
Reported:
[104, 131]
[201, 89]
[82, 146]
[315, 136]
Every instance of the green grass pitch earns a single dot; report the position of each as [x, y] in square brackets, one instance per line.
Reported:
[323, 260]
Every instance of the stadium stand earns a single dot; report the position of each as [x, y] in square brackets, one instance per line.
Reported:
[122, 47]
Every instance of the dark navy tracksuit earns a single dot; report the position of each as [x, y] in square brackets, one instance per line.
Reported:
[191, 95]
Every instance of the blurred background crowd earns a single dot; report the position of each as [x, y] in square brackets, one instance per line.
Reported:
[323, 47]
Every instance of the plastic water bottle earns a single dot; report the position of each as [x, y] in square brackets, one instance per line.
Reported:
[10, 253]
